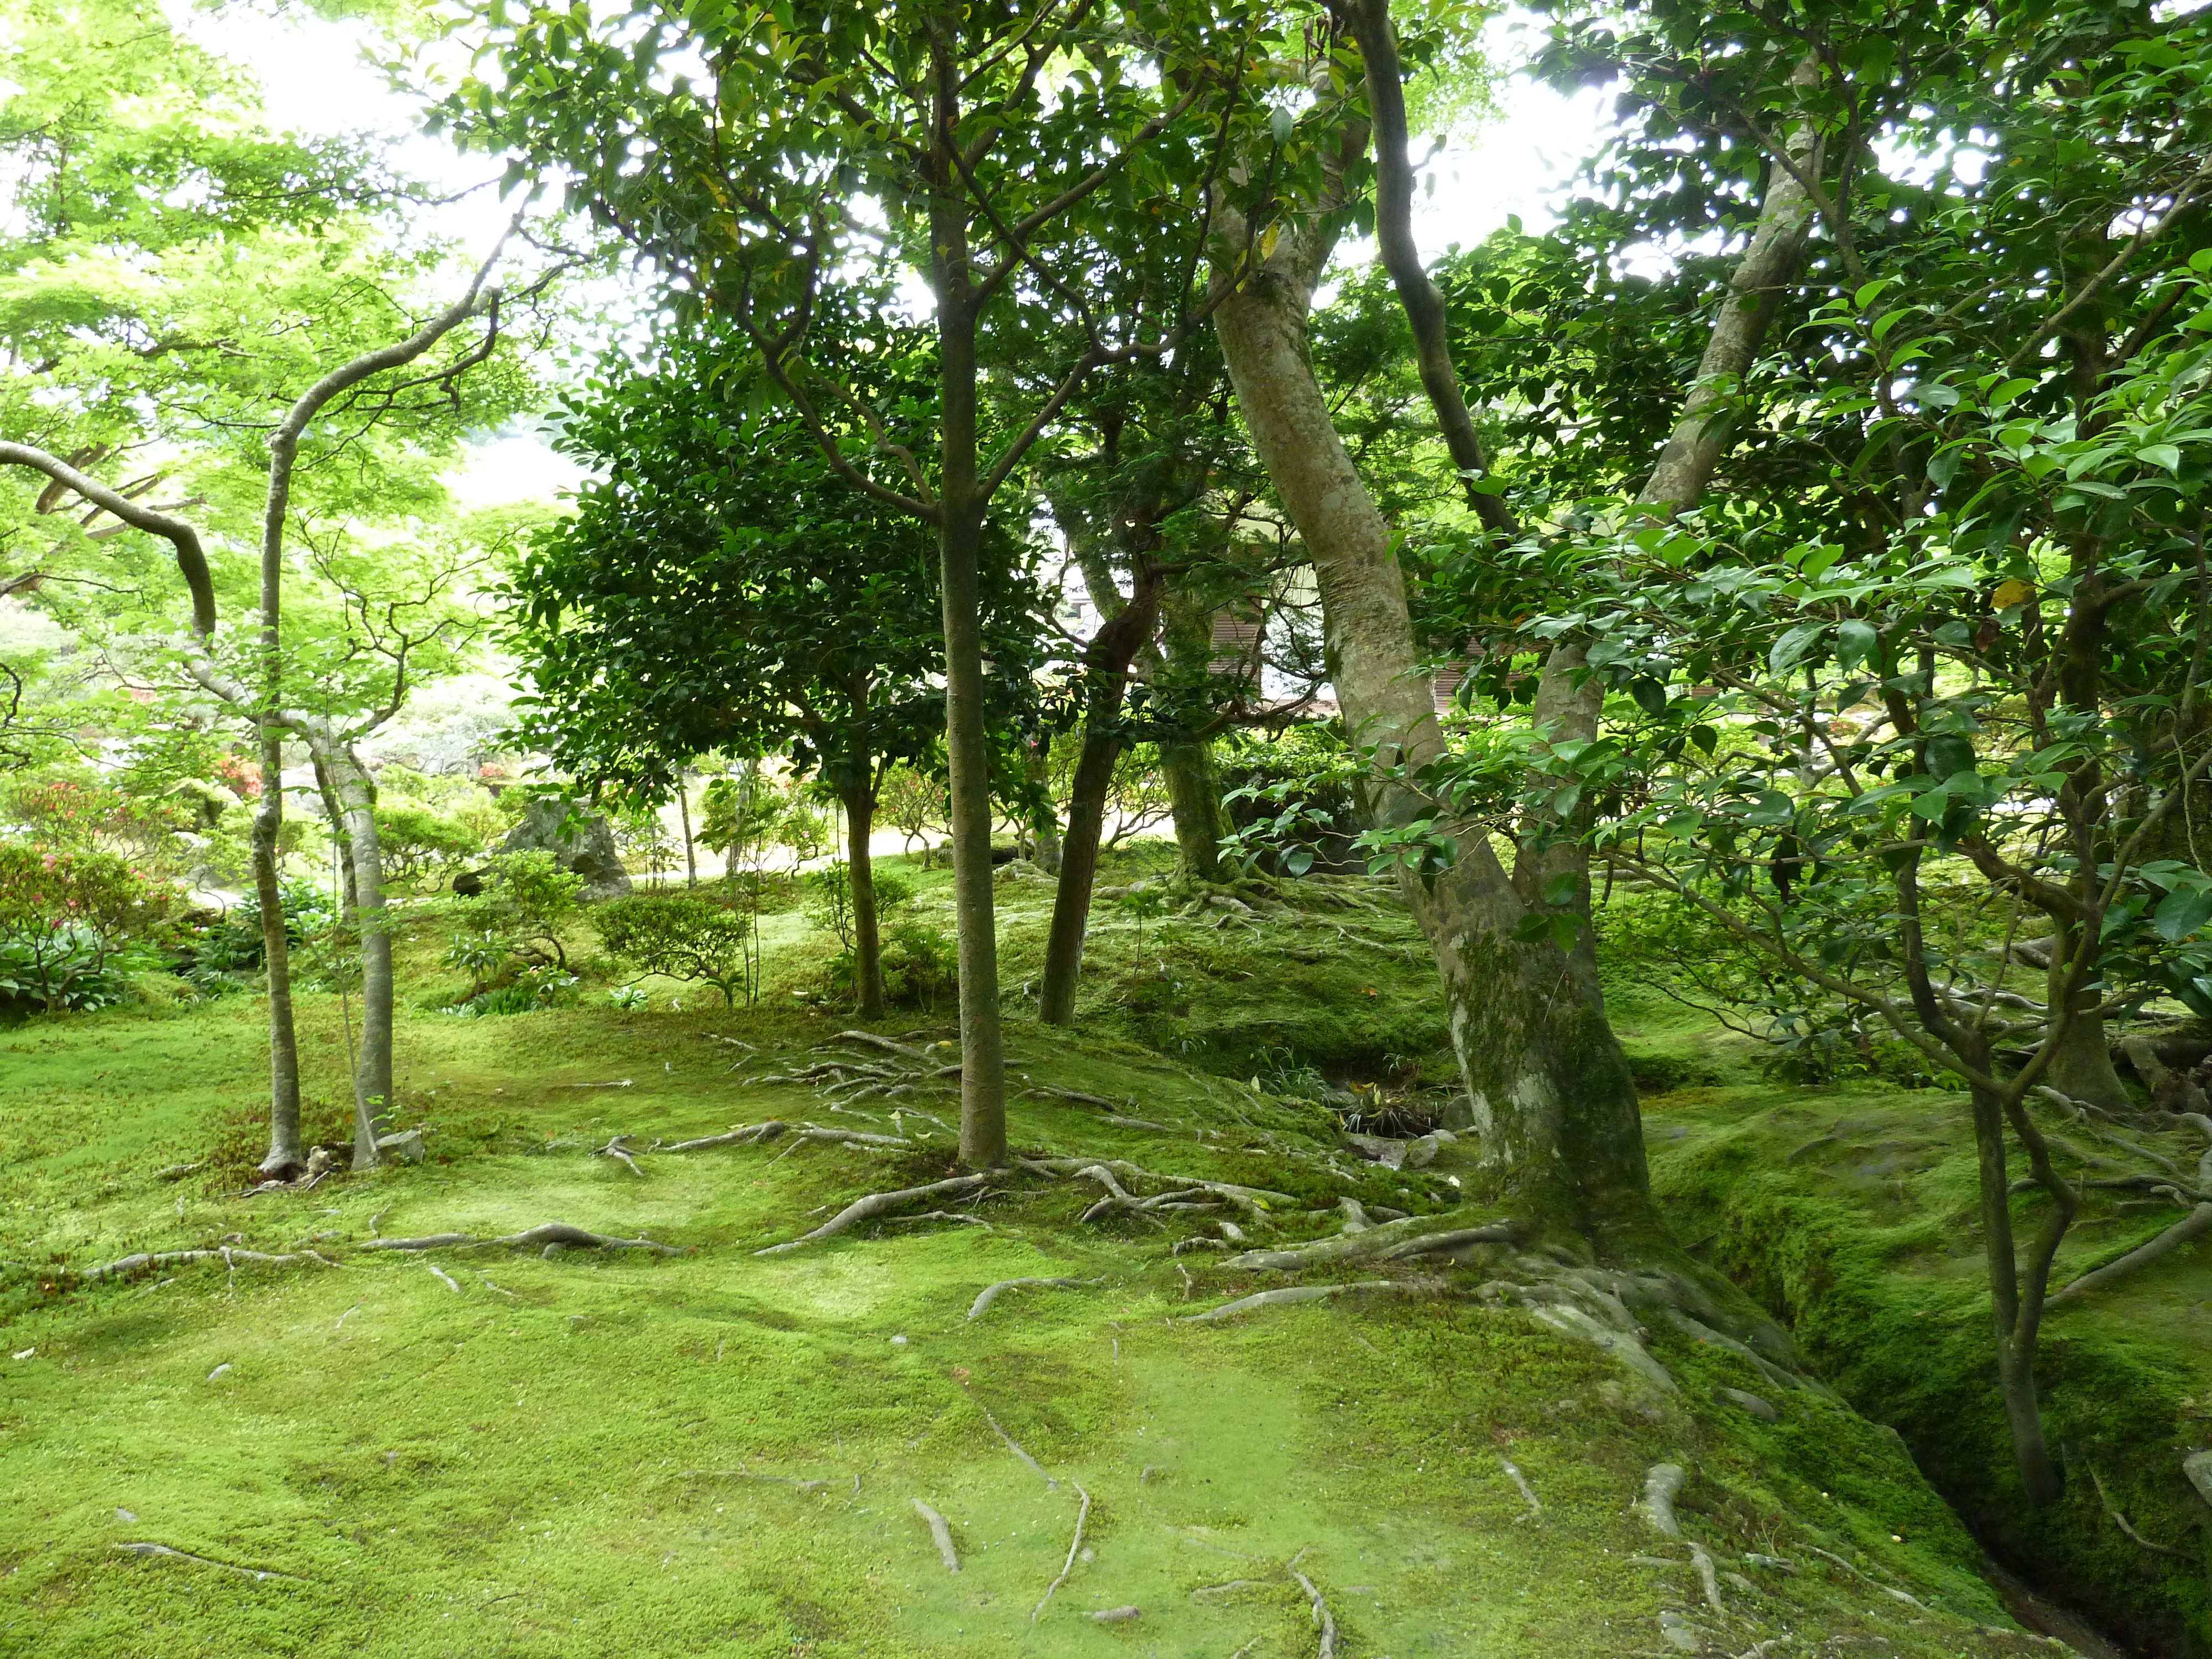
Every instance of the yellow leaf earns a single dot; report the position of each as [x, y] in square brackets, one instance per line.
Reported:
[1269, 239]
[2011, 593]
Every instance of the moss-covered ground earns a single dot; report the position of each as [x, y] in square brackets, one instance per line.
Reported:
[720, 1453]
[1851, 1211]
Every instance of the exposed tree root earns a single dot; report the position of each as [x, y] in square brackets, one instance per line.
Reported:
[942, 1532]
[1662, 1484]
[1074, 1543]
[1321, 1614]
[1254, 1201]
[618, 1149]
[875, 1204]
[1392, 1241]
[990, 1293]
[1290, 1293]
[546, 1234]
[1015, 1446]
[258, 1575]
[445, 1277]
[889, 1045]
[229, 1254]
[2197, 1222]
[752, 1135]
[1702, 1560]
[936, 1215]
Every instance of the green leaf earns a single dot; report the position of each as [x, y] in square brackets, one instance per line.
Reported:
[1950, 754]
[1562, 889]
[2165, 455]
[1856, 642]
[2181, 913]
[1651, 696]
[1794, 645]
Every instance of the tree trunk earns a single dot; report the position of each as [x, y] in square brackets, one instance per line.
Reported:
[348, 894]
[285, 1160]
[1106, 662]
[1194, 802]
[2080, 1061]
[959, 538]
[1045, 822]
[356, 800]
[2015, 1347]
[1548, 1086]
[684, 818]
[860, 874]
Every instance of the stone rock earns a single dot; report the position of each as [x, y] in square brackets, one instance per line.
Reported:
[1680, 1632]
[406, 1146]
[1751, 1402]
[1118, 1616]
[2198, 1468]
[585, 845]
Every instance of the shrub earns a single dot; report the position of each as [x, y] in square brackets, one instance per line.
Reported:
[921, 964]
[526, 898]
[830, 898]
[416, 842]
[66, 917]
[678, 935]
[233, 944]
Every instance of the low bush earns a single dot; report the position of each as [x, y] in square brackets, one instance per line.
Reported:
[68, 921]
[680, 937]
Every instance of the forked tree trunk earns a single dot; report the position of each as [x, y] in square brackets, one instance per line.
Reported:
[1548, 1085]
[356, 800]
[285, 1158]
[861, 875]
[1106, 663]
[2015, 1318]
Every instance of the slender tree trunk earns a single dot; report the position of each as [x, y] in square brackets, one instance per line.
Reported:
[959, 527]
[348, 893]
[1548, 1086]
[1106, 662]
[2082, 1062]
[684, 818]
[2015, 1340]
[860, 872]
[286, 1158]
[355, 792]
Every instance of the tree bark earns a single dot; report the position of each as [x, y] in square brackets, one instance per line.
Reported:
[684, 818]
[355, 792]
[860, 874]
[1195, 804]
[2015, 1325]
[959, 532]
[1106, 663]
[1046, 822]
[286, 1158]
[1548, 1086]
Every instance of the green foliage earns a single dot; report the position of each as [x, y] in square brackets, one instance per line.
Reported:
[828, 893]
[528, 899]
[65, 919]
[418, 844]
[679, 936]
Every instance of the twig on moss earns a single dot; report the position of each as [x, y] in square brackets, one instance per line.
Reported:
[615, 1149]
[875, 1204]
[259, 1575]
[2121, 1521]
[1015, 1446]
[445, 1277]
[990, 1293]
[941, 1532]
[1521, 1481]
[1074, 1543]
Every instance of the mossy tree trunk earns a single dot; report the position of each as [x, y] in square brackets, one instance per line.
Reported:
[355, 792]
[286, 1158]
[860, 804]
[1549, 1087]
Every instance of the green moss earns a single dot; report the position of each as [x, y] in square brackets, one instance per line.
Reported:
[1851, 1215]
[566, 1457]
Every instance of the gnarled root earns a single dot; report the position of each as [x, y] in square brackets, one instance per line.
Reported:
[546, 1234]
[752, 1135]
[990, 1293]
[1290, 1293]
[2198, 1221]
[1393, 1241]
[876, 1204]
[230, 1255]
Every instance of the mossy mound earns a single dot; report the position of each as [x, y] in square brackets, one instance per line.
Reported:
[718, 1452]
[1851, 1214]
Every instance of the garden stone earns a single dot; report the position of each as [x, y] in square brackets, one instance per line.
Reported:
[585, 846]
[406, 1145]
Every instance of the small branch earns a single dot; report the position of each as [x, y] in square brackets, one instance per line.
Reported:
[445, 1277]
[615, 1149]
[876, 1204]
[1015, 1446]
[2121, 1521]
[258, 1575]
[752, 1134]
[1074, 1543]
[942, 1532]
[990, 1293]
[1521, 1480]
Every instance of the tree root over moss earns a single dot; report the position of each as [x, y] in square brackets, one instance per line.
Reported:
[230, 1255]
[547, 1235]
[991, 1293]
[942, 1532]
[258, 1575]
[876, 1204]
[1290, 1293]
[1074, 1543]
[1393, 1241]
